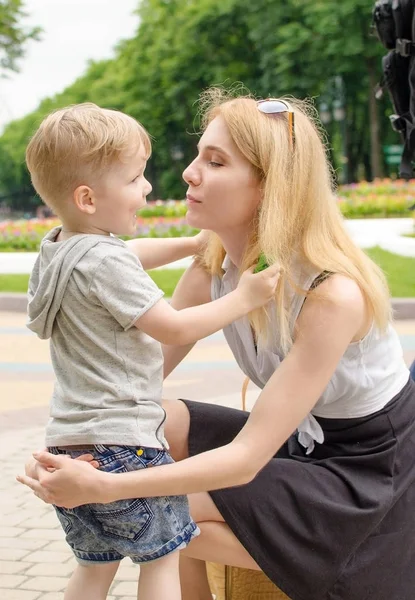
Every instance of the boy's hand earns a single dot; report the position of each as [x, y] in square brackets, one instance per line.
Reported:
[258, 289]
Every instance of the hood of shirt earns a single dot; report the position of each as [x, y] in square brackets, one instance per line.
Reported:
[50, 276]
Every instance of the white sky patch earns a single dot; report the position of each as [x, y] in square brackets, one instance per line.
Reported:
[74, 31]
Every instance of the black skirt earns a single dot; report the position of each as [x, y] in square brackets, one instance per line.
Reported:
[338, 524]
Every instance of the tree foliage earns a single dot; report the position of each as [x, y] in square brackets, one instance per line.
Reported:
[13, 36]
[275, 48]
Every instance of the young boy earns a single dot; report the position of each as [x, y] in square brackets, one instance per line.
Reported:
[105, 318]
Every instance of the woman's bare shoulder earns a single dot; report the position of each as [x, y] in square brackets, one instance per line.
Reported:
[343, 295]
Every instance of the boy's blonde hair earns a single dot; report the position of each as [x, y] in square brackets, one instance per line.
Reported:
[298, 215]
[76, 144]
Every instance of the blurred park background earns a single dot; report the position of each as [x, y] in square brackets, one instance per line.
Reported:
[173, 49]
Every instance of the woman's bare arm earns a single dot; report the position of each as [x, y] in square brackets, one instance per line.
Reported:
[325, 329]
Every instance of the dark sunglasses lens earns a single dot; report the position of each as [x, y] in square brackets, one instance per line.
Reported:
[272, 107]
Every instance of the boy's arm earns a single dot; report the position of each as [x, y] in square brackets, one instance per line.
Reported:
[156, 252]
[179, 327]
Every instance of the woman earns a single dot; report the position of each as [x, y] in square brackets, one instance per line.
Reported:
[317, 485]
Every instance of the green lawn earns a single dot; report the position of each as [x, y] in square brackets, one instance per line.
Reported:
[399, 270]
[166, 279]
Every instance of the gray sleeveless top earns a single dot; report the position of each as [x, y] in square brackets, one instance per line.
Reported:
[370, 373]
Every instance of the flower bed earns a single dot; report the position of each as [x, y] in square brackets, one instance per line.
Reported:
[381, 198]
[26, 235]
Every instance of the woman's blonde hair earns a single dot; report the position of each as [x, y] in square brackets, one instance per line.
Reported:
[78, 143]
[299, 214]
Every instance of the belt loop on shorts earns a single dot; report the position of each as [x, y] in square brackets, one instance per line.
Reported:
[100, 448]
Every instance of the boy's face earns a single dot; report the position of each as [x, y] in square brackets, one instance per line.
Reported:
[121, 193]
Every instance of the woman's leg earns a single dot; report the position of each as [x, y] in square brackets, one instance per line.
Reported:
[216, 543]
[176, 428]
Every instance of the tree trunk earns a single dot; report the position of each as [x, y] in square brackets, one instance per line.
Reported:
[375, 146]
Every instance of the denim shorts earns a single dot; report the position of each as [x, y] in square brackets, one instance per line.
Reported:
[144, 529]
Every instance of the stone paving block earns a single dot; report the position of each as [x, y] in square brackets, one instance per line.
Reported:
[11, 581]
[46, 569]
[45, 556]
[59, 546]
[12, 532]
[45, 584]
[47, 521]
[18, 494]
[16, 517]
[10, 594]
[21, 543]
[12, 553]
[12, 567]
[32, 502]
[125, 588]
[7, 506]
[44, 534]
[54, 596]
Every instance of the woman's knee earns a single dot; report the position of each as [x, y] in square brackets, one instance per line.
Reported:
[202, 508]
[176, 428]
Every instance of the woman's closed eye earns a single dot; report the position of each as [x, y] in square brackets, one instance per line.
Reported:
[214, 164]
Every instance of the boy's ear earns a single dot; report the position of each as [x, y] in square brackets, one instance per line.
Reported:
[84, 199]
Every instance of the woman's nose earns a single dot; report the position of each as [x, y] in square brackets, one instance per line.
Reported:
[191, 174]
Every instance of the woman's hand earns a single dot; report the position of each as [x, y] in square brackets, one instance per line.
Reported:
[62, 481]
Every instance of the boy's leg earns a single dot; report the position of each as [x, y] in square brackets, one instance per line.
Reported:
[160, 579]
[193, 579]
[91, 582]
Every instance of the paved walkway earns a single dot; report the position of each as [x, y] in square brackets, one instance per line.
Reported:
[386, 233]
[35, 562]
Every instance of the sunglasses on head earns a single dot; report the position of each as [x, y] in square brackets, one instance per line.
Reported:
[273, 106]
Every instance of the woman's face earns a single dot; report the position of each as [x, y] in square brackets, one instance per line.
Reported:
[224, 191]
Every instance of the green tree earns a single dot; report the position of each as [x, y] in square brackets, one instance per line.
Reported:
[275, 48]
[180, 49]
[305, 44]
[13, 36]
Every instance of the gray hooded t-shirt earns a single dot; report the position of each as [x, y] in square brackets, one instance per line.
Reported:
[85, 295]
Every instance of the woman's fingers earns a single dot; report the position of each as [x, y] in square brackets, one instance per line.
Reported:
[36, 487]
